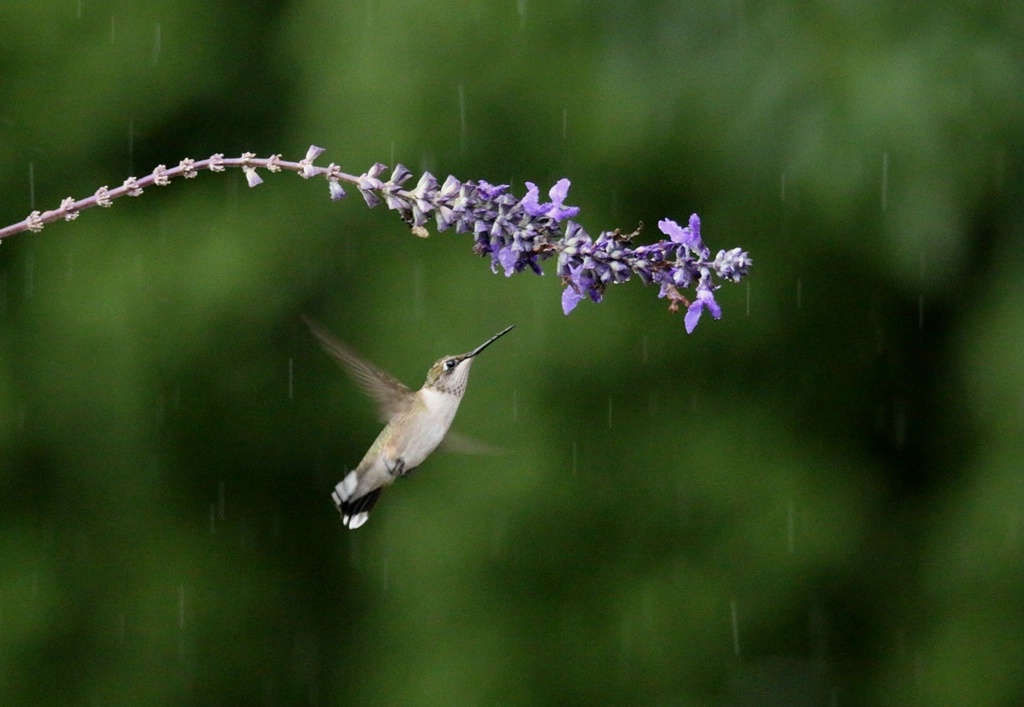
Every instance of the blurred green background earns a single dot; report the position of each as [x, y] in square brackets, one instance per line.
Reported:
[817, 500]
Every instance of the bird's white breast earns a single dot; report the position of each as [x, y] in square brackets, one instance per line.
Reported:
[420, 433]
[440, 404]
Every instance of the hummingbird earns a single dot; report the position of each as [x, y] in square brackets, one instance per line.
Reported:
[417, 422]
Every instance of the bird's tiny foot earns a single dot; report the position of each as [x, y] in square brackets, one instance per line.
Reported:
[396, 467]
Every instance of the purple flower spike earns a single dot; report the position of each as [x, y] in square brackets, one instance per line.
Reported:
[515, 233]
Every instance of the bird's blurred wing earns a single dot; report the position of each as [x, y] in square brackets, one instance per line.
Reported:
[461, 444]
[391, 395]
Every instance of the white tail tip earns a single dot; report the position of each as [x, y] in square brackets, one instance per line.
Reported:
[354, 510]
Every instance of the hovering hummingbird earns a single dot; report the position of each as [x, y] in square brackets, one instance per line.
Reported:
[417, 421]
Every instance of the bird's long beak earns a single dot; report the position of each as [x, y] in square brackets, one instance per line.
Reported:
[487, 343]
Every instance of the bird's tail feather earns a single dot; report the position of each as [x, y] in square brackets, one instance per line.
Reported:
[355, 511]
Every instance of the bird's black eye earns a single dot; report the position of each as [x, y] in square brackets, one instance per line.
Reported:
[450, 364]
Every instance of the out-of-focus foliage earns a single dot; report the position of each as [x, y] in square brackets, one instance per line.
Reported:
[816, 500]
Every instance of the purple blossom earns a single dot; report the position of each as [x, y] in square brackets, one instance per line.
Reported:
[553, 210]
[489, 192]
[705, 300]
[369, 184]
[570, 298]
[335, 188]
[580, 281]
[507, 258]
[732, 264]
[398, 200]
[688, 237]
[251, 177]
[449, 202]
[306, 168]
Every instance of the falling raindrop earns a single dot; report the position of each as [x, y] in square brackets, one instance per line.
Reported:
[920, 297]
[113, 29]
[32, 186]
[82, 548]
[131, 145]
[30, 268]
[181, 621]
[999, 165]
[138, 269]
[790, 528]
[735, 628]
[462, 117]
[156, 43]
[918, 671]
[291, 378]
[648, 607]
[901, 643]
[353, 557]
[627, 639]
[899, 422]
[418, 289]
[498, 536]
[220, 500]
[885, 180]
